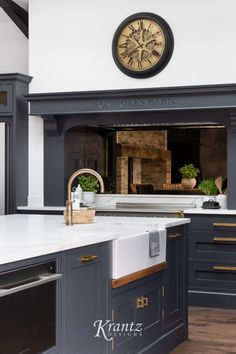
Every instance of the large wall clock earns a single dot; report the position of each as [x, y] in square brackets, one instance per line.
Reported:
[142, 45]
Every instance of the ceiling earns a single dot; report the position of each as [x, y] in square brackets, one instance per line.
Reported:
[22, 3]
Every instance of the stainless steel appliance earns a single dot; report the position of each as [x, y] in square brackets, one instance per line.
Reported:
[28, 298]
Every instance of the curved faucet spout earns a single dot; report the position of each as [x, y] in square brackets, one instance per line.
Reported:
[69, 209]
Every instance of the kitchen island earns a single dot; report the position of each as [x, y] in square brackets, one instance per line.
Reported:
[79, 259]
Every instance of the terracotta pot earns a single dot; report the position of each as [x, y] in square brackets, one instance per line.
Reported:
[188, 183]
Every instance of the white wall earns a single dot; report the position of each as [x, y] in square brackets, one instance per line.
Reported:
[14, 47]
[70, 43]
[2, 168]
[70, 50]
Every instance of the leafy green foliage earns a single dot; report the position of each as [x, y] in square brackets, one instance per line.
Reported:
[208, 187]
[189, 171]
[88, 183]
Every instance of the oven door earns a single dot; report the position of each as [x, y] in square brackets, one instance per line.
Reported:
[28, 310]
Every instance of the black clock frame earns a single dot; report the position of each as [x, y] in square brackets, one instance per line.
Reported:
[168, 50]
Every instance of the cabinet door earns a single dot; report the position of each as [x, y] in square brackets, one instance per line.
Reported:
[152, 314]
[174, 278]
[85, 284]
[140, 305]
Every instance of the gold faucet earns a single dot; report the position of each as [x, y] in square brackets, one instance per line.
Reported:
[69, 209]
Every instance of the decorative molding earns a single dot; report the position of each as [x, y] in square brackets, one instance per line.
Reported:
[133, 100]
[51, 126]
[15, 77]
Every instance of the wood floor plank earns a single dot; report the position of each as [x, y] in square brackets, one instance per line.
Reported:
[211, 331]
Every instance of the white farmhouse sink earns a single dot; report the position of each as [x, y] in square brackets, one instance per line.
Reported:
[130, 253]
[130, 248]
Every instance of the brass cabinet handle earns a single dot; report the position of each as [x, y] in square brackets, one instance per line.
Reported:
[88, 258]
[140, 302]
[145, 301]
[224, 239]
[227, 269]
[179, 213]
[218, 224]
[174, 236]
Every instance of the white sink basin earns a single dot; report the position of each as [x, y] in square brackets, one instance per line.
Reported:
[130, 253]
[130, 250]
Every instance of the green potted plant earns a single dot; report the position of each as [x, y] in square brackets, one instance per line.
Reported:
[208, 187]
[89, 185]
[189, 173]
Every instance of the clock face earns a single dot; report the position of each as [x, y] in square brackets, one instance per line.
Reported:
[142, 45]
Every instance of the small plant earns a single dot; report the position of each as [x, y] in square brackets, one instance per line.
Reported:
[189, 171]
[208, 187]
[88, 183]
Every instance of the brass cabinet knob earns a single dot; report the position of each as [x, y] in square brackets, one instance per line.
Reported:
[145, 301]
[141, 302]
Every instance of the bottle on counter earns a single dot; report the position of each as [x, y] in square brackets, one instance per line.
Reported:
[75, 199]
[79, 193]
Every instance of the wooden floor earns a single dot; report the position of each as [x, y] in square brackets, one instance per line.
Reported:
[211, 331]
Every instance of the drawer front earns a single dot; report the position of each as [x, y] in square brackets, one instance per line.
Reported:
[225, 229]
[226, 223]
[212, 276]
[84, 256]
[219, 244]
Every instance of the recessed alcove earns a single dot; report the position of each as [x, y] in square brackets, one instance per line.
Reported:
[185, 109]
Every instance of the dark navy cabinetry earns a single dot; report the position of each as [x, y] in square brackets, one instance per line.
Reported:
[212, 261]
[175, 278]
[158, 301]
[85, 298]
[139, 302]
[14, 114]
[84, 295]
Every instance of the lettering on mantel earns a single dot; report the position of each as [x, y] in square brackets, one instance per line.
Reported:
[135, 103]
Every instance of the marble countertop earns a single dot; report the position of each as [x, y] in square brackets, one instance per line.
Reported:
[26, 236]
[113, 208]
[210, 211]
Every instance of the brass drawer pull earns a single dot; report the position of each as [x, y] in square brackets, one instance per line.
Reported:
[227, 269]
[224, 239]
[174, 236]
[140, 302]
[88, 258]
[218, 224]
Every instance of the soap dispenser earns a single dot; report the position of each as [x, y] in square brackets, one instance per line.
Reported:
[79, 192]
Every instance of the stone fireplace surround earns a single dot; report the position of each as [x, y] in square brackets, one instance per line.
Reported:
[189, 106]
